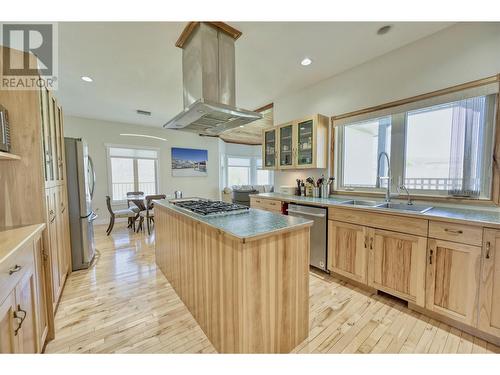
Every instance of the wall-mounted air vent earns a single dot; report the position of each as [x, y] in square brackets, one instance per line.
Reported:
[144, 113]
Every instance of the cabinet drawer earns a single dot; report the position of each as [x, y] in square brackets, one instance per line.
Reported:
[456, 232]
[392, 222]
[10, 274]
[266, 204]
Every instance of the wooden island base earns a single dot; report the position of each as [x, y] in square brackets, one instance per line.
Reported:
[248, 295]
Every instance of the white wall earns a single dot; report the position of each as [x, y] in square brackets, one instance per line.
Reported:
[458, 54]
[97, 133]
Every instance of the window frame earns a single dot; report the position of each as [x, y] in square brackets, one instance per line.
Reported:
[491, 173]
[136, 180]
[253, 169]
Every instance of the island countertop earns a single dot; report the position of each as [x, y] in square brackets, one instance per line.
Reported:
[473, 215]
[249, 225]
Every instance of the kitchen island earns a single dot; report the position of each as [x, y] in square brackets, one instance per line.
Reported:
[243, 277]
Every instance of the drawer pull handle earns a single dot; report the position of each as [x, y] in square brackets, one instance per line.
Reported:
[454, 231]
[371, 243]
[430, 256]
[15, 269]
[21, 318]
[488, 245]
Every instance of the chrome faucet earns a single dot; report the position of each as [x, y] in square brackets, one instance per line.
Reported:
[402, 187]
[388, 177]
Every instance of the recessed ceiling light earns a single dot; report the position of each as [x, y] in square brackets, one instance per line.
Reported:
[87, 79]
[306, 61]
[143, 136]
[384, 29]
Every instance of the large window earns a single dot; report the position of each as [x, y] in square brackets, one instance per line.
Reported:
[438, 149]
[363, 143]
[246, 171]
[238, 171]
[132, 169]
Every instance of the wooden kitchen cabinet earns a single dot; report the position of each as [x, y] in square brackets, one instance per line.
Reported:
[397, 264]
[52, 245]
[311, 142]
[43, 325]
[489, 289]
[269, 149]
[297, 144]
[347, 250]
[8, 340]
[26, 312]
[453, 280]
[286, 146]
[272, 205]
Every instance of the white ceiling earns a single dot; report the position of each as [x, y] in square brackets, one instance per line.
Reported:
[135, 65]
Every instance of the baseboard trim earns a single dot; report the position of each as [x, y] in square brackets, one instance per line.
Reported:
[468, 329]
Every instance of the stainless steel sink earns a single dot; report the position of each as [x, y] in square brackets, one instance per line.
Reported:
[361, 203]
[404, 207]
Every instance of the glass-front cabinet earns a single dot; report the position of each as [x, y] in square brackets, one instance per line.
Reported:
[305, 144]
[286, 146]
[269, 149]
[297, 145]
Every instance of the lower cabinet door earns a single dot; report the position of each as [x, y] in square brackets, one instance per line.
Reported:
[8, 325]
[41, 296]
[54, 278]
[26, 313]
[347, 250]
[489, 295]
[397, 264]
[453, 280]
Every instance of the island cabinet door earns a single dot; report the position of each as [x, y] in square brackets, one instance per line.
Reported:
[347, 250]
[397, 264]
[453, 280]
[489, 295]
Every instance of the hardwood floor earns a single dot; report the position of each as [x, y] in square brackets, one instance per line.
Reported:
[124, 304]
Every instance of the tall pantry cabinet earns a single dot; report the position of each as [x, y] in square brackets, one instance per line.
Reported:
[56, 202]
[33, 189]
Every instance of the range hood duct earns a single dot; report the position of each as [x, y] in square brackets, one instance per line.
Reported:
[208, 77]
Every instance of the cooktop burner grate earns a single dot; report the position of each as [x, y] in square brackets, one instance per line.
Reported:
[207, 207]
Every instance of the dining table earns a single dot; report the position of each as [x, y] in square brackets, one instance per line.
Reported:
[140, 201]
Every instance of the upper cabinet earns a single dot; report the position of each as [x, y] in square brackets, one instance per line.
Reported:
[269, 152]
[296, 145]
[52, 138]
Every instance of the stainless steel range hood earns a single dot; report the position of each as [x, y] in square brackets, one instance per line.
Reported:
[208, 77]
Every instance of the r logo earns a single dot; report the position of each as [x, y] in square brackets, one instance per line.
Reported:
[34, 38]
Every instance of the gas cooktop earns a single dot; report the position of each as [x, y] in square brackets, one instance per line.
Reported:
[207, 207]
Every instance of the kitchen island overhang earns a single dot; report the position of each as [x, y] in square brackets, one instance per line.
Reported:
[244, 278]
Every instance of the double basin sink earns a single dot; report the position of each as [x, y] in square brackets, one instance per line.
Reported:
[389, 205]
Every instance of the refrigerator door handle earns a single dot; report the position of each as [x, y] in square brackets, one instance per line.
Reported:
[92, 172]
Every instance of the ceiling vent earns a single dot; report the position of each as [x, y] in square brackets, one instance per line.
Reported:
[144, 113]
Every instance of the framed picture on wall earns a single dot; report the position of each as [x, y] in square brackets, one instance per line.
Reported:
[189, 162]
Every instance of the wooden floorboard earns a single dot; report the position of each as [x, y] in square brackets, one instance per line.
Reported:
[124, 304]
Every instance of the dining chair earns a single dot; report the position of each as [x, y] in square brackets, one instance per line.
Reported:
[128, 213]
[132, 206]
[148, 213]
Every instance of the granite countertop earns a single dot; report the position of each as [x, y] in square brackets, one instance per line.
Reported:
[254, 223]
[482, 217]
[11, 239]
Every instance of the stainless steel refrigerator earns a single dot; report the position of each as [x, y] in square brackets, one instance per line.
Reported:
[81, 183]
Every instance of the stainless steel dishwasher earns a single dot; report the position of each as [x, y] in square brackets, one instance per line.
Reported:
[318, 232]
